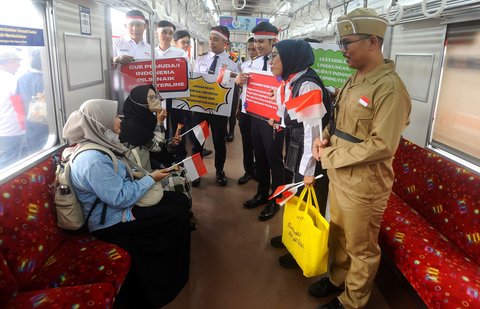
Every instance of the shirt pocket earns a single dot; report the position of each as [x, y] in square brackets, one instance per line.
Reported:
[363, 117]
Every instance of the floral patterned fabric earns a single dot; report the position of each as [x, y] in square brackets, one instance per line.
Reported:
[430, 228]
[40, 256]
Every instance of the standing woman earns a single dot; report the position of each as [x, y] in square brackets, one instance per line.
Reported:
[156, 237]
[291, 61]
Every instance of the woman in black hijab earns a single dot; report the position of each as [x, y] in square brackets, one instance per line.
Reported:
[291, 61]
[143, 131]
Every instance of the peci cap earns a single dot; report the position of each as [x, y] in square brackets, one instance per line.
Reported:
[362, 21]
[221, 31]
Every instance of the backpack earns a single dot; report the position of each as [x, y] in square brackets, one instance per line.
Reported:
[69, 209]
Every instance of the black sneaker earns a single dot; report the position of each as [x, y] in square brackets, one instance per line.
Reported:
[221, 178]
[288, 261]
[276, 242]
[206, 152]
[323, 288]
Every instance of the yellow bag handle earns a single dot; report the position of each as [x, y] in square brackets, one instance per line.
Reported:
[311, 196]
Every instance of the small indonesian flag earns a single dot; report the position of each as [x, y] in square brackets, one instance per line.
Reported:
[283, 188]
[201, 132]
[286, 195]
[224, 75]
[364, 101]
[194, 166]
[311, 110]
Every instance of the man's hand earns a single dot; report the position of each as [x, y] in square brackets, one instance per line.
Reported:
[176, 140]
[158, 175]
[123, 59]
[318, 147]
[308, 180]
[161, 115]
[241, 79]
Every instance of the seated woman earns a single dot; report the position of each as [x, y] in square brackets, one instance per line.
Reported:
[157, 237]
[143, 133]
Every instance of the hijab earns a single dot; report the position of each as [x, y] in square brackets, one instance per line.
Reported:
[94, 122]
[139, 122]
[296, 55]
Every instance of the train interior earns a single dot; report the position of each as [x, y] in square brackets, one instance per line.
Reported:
[68, 45]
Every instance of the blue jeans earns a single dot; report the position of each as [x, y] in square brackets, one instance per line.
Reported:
[10, 147]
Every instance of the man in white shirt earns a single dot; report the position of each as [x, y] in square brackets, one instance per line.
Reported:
[211, 63]
[12, 126]
[165, 48]
[132, 47]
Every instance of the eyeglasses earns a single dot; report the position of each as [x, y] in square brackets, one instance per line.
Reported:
[153, 97]
[344, 44]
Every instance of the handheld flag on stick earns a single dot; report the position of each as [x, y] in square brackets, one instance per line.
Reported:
[201, 131]
[225, 75]
[194, 166]
[287, 191]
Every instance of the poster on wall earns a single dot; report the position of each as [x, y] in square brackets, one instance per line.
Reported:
[207, 96]
[171, 76]
[330, 65]
[258, 95]
[21, 36]
[241, 23]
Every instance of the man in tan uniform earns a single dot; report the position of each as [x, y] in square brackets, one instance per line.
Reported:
[372, 110]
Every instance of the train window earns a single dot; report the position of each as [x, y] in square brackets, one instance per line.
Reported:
[27, 118]
[456, 128]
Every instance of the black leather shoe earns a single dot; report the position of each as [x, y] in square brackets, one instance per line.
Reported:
[269, 211]
[221, 178]
[206, 152]
[229, 138]
[256, 201]
[333, 304]
[288, 261]
[323, 288]
[245, 178]
[196, 183]
[276, 242]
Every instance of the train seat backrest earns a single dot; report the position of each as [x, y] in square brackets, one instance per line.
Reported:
[8, 285]
[443, 192]
[28, 233]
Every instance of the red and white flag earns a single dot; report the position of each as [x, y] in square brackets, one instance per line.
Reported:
[311, 110]
[201, 132]
[286, 195]
[364, 101]
[194, 166]
[224, 75]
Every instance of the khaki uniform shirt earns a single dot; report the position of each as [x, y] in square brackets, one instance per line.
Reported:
[365, 169]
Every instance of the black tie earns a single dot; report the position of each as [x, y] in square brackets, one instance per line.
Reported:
[265, 61]
[213, 66]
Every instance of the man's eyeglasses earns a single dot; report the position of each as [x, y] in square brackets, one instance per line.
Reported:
[344, 44]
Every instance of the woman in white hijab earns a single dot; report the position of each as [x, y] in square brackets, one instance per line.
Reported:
[157, 237]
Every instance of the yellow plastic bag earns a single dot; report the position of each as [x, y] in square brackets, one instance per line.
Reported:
[305, 233]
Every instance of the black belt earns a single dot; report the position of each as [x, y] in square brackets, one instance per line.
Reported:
[346, 136]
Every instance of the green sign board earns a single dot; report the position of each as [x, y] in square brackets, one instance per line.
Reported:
[330, 65]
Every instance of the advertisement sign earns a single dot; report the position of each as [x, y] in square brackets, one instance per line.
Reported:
[171, 75]
[21, 36]
[207, 96]
[330, 65]
[258, 95]
[240, 23]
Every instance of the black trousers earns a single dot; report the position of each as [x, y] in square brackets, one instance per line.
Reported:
[245, 125]
[268, 148]
[218, 126]
[232, 120]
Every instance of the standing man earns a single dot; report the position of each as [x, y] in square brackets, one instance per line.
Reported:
[132, 47]
[211, 63]
[267, 141]
[12, 115]
[245, 120]
[371, 112]
[165, 49]
[181, 39]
